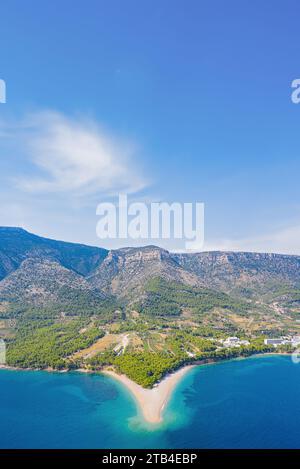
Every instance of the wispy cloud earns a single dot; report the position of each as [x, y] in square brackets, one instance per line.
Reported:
[284, 241]
[74, 156]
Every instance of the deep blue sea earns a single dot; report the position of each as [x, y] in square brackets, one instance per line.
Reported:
[248, 403]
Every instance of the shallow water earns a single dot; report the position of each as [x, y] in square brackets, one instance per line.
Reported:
[251, 403]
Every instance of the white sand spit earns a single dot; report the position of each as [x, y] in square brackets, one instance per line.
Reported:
[152, 401]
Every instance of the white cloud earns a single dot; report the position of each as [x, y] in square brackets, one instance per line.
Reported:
[75, 156]
[284, 241]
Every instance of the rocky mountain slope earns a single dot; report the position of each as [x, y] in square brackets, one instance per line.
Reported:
[124, 272]
[39, 272]
[245, 273]
[16, 245]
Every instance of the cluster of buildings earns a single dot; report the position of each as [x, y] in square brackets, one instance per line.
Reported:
[293, 341]
[234, 342]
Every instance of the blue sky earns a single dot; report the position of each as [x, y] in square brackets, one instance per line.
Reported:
[170, 100]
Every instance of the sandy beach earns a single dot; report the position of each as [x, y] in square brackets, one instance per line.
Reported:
[152, 401]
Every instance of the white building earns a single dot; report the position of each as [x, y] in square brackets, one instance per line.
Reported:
[294, 341]
[235, 342]
[275, 342]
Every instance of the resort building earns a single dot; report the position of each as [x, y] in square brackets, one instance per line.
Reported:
[276, 342]
[294, 341]
[234, 342]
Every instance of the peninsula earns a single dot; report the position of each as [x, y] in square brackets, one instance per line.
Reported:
[152, 402]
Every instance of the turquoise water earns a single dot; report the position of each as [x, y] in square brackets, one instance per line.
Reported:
[252, 403]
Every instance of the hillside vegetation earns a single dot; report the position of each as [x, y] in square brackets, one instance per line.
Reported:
[144, 311]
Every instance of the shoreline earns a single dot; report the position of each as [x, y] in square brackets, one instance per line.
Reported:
[152, 402]
[204, 361]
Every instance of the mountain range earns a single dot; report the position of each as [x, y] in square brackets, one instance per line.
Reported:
[44, 274]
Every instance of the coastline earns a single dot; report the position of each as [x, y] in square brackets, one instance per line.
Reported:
[152, 402]
[204, 361]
